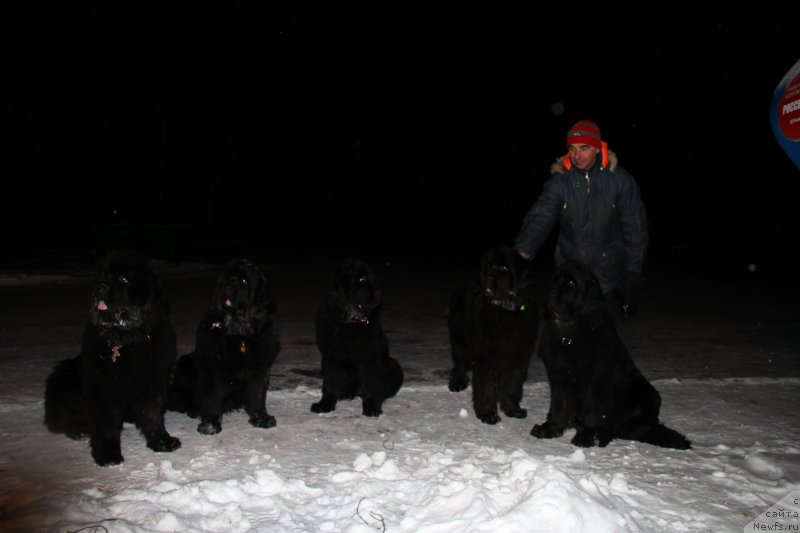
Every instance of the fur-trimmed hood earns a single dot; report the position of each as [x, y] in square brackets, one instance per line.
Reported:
[558, 166]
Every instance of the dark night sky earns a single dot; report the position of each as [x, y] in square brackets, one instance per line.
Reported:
[386, 123]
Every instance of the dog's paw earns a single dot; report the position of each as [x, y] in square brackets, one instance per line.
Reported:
[584, 439]
[262, 421]
[603, 438]
[546, 431]
[323, 407]
[209, 427]
[515, 411]
[77, 435]
[166, 443]
[490, 418]
[458, 382]
[106, 454]
[371, 407]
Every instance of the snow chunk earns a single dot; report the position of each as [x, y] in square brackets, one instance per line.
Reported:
[763, 467]
[362, 463]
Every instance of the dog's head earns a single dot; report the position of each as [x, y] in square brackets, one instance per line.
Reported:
[504, 276]
[243, 295]
[353, 297]
[126, 298]
[575, 297]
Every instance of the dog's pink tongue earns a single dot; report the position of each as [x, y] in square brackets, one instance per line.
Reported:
[228, 303]
[101, 306]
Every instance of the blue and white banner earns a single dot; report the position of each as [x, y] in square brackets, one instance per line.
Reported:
[785, 113]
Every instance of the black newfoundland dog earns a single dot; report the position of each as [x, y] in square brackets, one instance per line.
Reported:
[122, 372]
[352, 343]
[493, 326]
[594, 384]
[236, 344]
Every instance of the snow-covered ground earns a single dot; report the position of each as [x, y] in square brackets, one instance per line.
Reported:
[719, 341]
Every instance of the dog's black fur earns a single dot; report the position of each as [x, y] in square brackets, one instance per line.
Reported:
[493, 326]
[236, 345]
[352, 343]
[594, 384]
[122, 372]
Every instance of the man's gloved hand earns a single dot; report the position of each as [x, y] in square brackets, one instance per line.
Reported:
[630, 297]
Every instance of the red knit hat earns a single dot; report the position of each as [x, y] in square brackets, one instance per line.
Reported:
[584, 132]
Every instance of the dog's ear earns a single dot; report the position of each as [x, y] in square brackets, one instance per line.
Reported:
[342, 275]
[155, 290]
[369, 273]
[486, 262]
[264, 296]
[219, 291]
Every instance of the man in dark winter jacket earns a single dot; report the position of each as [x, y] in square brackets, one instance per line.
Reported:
[602, 220]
